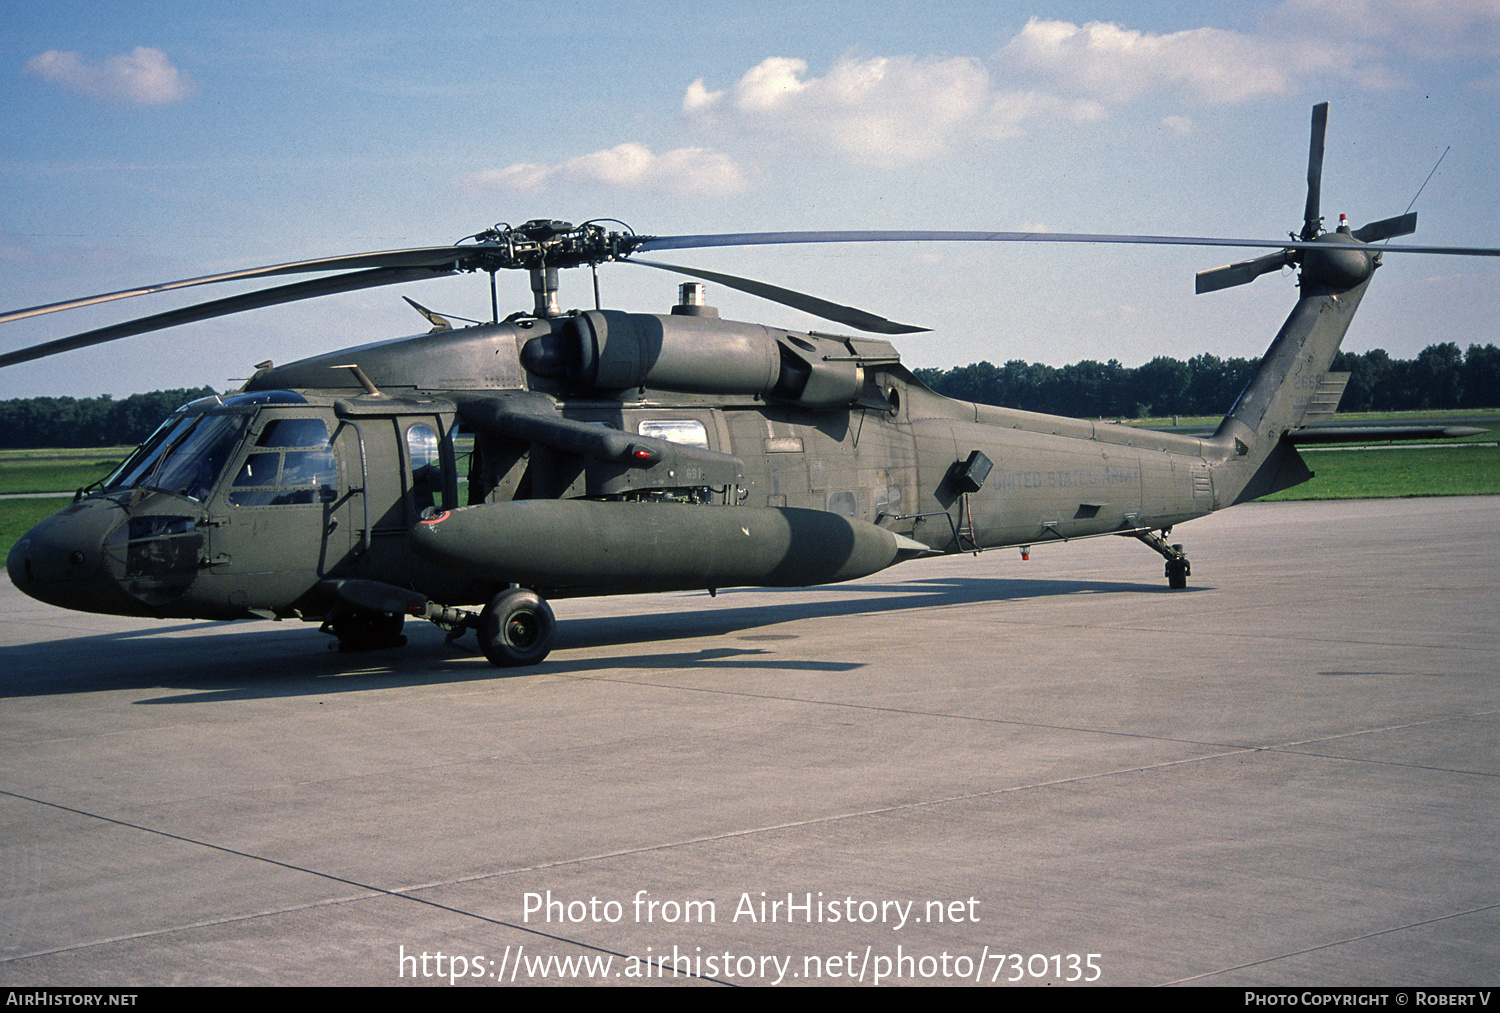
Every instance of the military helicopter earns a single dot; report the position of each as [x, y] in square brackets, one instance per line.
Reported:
[598, 451]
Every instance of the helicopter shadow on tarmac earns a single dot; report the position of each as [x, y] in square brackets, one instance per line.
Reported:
[258, 660]
[770, 607]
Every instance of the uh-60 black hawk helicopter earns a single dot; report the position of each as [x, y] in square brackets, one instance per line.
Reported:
[599, 452]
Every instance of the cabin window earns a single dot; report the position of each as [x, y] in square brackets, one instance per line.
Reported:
[466, 465]
[426, 466]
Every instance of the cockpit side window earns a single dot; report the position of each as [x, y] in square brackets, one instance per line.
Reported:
[148, 456]
[294, 433]
[293, 463]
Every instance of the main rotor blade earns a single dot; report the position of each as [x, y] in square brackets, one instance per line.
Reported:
[1311, 220]
[427, 256]
[836, 312]
[790, 238]
[222, 307]
[1242, 273]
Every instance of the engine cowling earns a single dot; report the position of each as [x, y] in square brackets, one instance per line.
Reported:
[609, 350]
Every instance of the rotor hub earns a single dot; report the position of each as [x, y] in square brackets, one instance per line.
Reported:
[1339, 261]
[546, 244]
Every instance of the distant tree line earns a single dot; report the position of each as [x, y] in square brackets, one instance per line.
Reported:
[1441, 376]
[32, 422]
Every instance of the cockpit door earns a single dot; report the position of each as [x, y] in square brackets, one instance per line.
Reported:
[285, 514]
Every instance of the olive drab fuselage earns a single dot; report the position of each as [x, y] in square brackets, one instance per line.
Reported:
[612, 453]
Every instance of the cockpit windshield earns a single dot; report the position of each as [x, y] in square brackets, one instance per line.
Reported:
[184, 456]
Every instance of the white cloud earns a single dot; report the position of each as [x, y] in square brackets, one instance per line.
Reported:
[1109, 63]
[882, 110]
[892, 110]
[628, 166]
[1011, 109]
[1435, 29]
[144, 76]
[699, 97]
[772, 84]
[900, 109]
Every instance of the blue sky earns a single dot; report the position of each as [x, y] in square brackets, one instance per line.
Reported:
[152, 142]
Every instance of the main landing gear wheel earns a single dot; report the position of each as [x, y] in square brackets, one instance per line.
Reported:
[516, 628]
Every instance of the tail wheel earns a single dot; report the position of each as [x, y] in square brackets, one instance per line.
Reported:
[517, 628]
[1178, 570]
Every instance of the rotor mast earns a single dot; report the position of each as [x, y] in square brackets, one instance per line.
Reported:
[544, 292]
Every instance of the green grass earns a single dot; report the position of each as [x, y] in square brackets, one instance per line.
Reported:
[66, 454]
[1443, 468]
[18, 516]
[63, 475]
[59, 471]
[1381, 473]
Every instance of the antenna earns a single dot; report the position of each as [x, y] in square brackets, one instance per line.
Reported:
[1429, 176]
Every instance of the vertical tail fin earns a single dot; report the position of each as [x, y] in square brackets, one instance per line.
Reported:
[1290, 388]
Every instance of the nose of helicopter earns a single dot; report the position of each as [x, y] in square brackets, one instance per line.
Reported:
[62, 560]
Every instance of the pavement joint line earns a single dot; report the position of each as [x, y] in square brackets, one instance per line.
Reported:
[1336, 942]
[1228, 752]
[409, 891]
[934, 714]
[1395, 728]
[1235, 746]
[1276, 638]
[835, 817]
[1287, 747]
[208, 923]
[369, 887]
[1383, 763]
[1231, 748]
[603, 856]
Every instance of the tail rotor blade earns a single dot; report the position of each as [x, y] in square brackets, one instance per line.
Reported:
[1242, 273]
[1311, 218]
[1401, 225]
